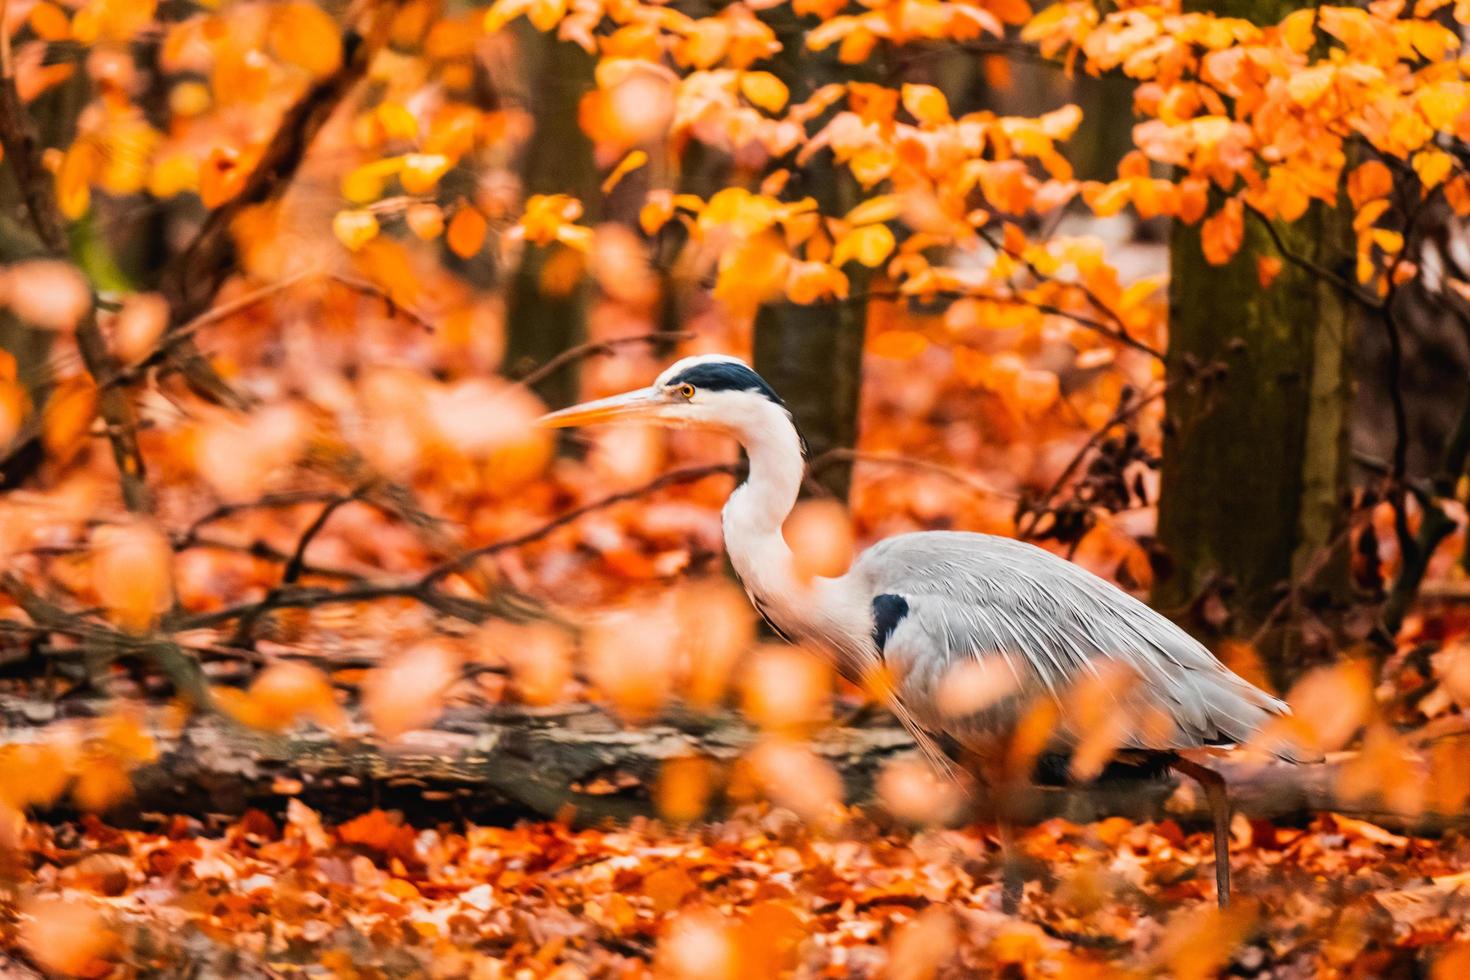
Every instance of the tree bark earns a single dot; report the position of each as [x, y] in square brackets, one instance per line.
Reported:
[543, 322]
[813, 356]
[515, 763]
[1255, 464]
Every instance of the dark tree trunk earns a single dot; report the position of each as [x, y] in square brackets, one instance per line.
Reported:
[1256, 462]
[813, 356]
[542, 323]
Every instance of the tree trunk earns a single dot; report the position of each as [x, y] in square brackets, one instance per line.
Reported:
[543, 316]
[1255, 462]
[813, 356]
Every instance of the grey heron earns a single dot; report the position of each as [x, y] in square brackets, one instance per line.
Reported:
[920, 604]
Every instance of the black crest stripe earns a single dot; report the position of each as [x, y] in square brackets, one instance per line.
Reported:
[725, 376]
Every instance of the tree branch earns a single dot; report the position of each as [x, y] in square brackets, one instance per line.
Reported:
[23, 153]
[424, 589]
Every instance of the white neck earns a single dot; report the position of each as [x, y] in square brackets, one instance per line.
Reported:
[756, 510]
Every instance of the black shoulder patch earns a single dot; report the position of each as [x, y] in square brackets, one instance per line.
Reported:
[726, 376]
[888, 611]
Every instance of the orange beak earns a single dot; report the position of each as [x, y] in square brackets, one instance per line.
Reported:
[642, 403]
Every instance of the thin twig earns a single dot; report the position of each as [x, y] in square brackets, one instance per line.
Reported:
[395, 308]
[1121, 415]
[596, 348]
[423, 589]
[271, 501]
[689, 474]
[967, 480]
[1119, 330]
[1371, 303]
[172, 339]
[294, 566]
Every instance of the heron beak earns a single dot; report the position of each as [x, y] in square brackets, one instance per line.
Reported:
[642, 403]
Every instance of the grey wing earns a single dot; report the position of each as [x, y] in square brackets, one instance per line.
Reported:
[1051, 624]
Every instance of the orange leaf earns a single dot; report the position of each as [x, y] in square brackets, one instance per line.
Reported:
[901, 345]
[1371, 180]
[304, 34]
[425, 220]
[132, 572]
[49, 22]
[1268, 267]
[467, 231]
[868, 245]
[1222, 233]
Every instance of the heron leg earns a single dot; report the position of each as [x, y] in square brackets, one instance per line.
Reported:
[1214, 786]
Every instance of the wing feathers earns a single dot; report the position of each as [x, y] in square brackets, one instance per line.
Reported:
[1055, 624]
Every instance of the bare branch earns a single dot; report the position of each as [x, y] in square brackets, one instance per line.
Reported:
[596, 348]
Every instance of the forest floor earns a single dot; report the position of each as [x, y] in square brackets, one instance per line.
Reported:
[754, 896]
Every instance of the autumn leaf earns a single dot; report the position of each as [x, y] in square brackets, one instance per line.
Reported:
[627, 165]
[867, 245]
[466, 233]
[764, 90]
[1221, 234]
[303, 34]
[354, 229]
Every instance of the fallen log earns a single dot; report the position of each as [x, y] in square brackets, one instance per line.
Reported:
[578, 762]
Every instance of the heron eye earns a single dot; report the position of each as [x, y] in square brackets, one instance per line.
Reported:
[687, 390]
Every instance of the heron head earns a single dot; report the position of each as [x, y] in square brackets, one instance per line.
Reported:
[713, 391]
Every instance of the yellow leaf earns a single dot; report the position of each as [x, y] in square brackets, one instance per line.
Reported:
[546, 14]
[502, 12]
[627, 165]
[1298, 30]
[421, 171]
[1390, 241]
[1306, 87]
[1432, 40]
[884, 207]
[927, 104]
[74, 178]
[656, 211]
[354, 229]
[868, 245]
[304, 34]
[809, 282]
[1137, 292]
[1442, 104]
[364, 184]
[1433, 166]
[872, 164]
[764, 90]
